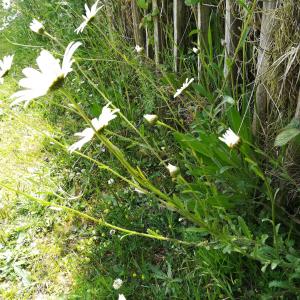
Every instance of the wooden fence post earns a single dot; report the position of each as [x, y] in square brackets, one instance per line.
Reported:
[202, 36]
[138, 32]
[263, 64]
[157, 32]
[178, 20]
[232, 34]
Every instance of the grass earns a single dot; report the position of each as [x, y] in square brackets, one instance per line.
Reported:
[45, 253]
[32, 255]
[225, 198]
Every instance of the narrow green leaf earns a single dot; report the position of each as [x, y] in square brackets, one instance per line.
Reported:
[285, 136]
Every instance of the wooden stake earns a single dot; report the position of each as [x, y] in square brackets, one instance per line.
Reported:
[263, 64]
[138, 32]
[232, 34]
[157, 32]
[202, 26]
[178, 20]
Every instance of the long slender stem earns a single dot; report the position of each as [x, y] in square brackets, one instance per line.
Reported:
[100, 221]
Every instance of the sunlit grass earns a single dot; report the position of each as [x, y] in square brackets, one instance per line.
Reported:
[32, 257]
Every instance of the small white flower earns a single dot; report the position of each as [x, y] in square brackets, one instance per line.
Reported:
[5, 65]
[195, 50]
[117, 283]
[90, 14]
[121, 297]
[36, 26]
[184, 86]
[151, 119]
[87, 134]
[138, 49]
[6, 4]
[51, 74]
[230, 138]
[112, 232]
[173, 170]
[111, 181]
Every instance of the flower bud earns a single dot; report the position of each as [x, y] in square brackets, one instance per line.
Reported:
[151, 119]
[174, 170]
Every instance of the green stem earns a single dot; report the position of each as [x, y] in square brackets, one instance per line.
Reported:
[100, 221]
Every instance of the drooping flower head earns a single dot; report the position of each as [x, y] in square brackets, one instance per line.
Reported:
[138, 49]
[117, 283]
[5, 65]
[173, 170]
[184, 86]
[151, 119]
[36, 26]
[37, 83]
[195, 50]
[89, 15]
[230, 138]
[87, 134]
[111, 181]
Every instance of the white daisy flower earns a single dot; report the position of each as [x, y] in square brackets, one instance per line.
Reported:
[174, 170]
[87, 134]
[36, 26]
[117, 283]
[184, 86]
[138, 49]
[195, 50]
[5, 65]
[151, 119]
[121, 297]
[230, 138]
[51, 75]
[90, 14]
